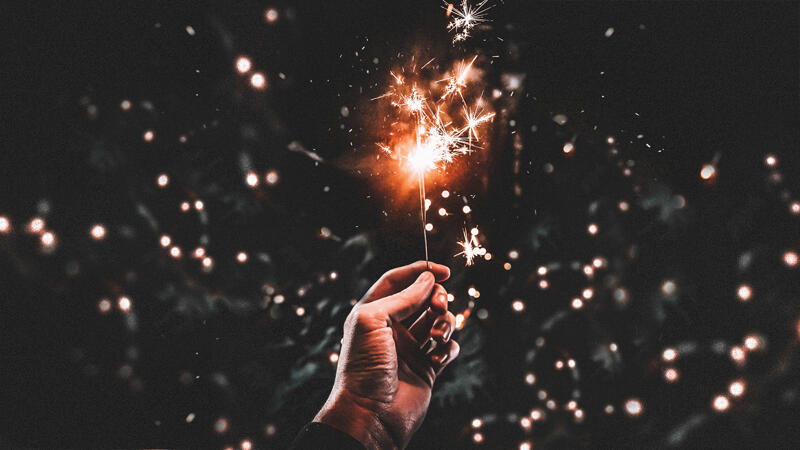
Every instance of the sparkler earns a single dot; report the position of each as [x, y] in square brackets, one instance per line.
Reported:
[431, 133]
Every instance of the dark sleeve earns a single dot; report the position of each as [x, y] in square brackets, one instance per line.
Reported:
[317, 435]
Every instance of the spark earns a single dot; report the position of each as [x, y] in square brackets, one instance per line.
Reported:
[463, 20]
[471, 246]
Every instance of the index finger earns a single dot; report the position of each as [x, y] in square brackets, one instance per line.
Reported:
[400, 278]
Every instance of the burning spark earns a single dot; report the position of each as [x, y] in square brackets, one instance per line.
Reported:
[463, 20]
[471, 246]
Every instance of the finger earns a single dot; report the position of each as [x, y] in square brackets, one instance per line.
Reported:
[399, 278]
[403, 304]
[443, 355]
[421, 327]
[443, 327]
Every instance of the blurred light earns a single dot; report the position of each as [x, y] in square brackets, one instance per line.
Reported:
[518, 305]
[333, 357]
[737, 354]
[442, 212]
[104, 305]
[221, 425]
[36, 225]
[633, 407]
[428, 227]
[771, 161]
[271, 15]
[559, 364]
[148, 136]
[124, 304]
[542, 270]
[669, 354]
[568, 147]
[624, 206]
[241, 257]
[175, 252]
[613, 347]
[165, 240]
[588, 293]
[669, 287]
[544, 284]
[790, 259]
[744, 292]
[577, 303]
[466, 209]
[507, 266]
[251, 179]
[5, 224]
[525, 422]
[198, 205]
[671, 375]
[536, 414]
[243, 64]
[48, 239]
[162, 180]
[199, 252]
[525, 445]
[707, 171]
[752, 342]
[125, 105]
[592, 229]
[530, 378]
[258, 81]
[721, 403]
[185, 206]
[476, 423]
[247, 445]
[272, 177]
[513, 254]
[736, 388]
[98, 232]
[445, 194]
[571, 363]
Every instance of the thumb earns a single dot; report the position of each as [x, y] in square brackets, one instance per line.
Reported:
[403, 304]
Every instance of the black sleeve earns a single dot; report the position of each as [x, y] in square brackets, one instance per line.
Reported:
[317, 435]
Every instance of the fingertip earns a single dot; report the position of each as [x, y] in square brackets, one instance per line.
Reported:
[441, 271]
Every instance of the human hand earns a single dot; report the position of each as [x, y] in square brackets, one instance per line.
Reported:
[383, 380]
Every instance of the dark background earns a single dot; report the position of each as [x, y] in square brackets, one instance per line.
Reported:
[698, 80]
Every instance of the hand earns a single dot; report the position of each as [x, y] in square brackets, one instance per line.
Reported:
[380, 395]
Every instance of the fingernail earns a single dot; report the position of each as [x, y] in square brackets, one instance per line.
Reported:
[447, 334]
[425, 276]
[444, 327]
[440, 359]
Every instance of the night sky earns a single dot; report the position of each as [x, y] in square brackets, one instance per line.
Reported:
[682, 125]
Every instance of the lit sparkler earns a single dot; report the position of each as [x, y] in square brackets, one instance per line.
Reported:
[430, 133]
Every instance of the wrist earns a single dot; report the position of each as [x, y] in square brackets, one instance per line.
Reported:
[348, 414]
